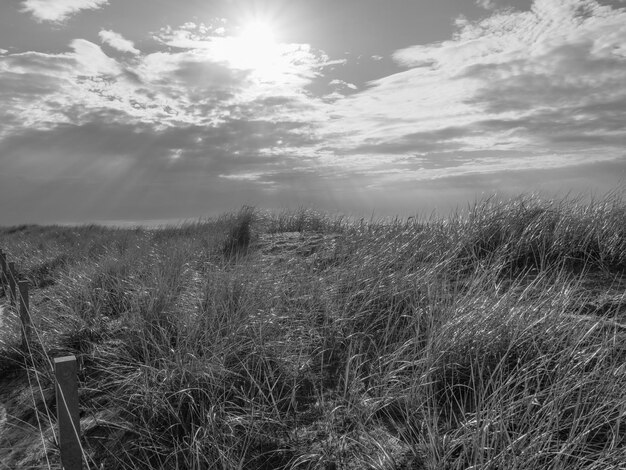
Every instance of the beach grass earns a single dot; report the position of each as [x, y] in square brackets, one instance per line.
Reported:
[491, 339]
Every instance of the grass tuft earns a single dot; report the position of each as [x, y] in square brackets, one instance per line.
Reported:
[240, 235]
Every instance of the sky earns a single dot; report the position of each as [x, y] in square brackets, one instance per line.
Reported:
[153, 110]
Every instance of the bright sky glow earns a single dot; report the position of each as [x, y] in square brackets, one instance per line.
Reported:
[254, 49]
[259, 34]
[155, 110]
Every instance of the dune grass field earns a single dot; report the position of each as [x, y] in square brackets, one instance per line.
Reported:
[490, 339]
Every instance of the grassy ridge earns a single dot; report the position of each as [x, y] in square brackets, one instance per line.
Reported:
[493, 339]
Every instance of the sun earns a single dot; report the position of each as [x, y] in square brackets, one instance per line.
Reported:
[254, 47]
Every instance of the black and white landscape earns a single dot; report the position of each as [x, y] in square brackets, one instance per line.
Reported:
[313, 234]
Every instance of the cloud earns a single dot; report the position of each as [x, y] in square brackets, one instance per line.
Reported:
[539, 89]
[547, 81]
[117, 41]
[343, 84]
[272, 68]
[92, 61]
[187, 85]
[184, 114]
[59, 10]
[505, 4]
[487, 4]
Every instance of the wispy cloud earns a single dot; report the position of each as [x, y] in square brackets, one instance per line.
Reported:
[117, 41]
[549, 82]
[487, 4]
[59, 10]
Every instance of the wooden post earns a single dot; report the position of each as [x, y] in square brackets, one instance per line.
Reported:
[65, 370]
[3, 271]
[24, 314]
[12, 275]
[3, 266]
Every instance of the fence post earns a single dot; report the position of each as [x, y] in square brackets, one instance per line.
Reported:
[3, 272]
[65, 370]
[24, 313]
[3, 269]
[12, 276]
[3, 266]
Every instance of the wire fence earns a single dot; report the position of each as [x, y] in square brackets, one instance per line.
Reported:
[63, 370]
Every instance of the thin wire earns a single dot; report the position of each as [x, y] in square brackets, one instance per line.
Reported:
[43, 398]
[41, 434]
[27, 308]
[30, 387]
[32, 358]
[6, 280]
[17, 306]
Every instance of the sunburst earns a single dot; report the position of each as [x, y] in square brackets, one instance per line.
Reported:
[254, 48]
